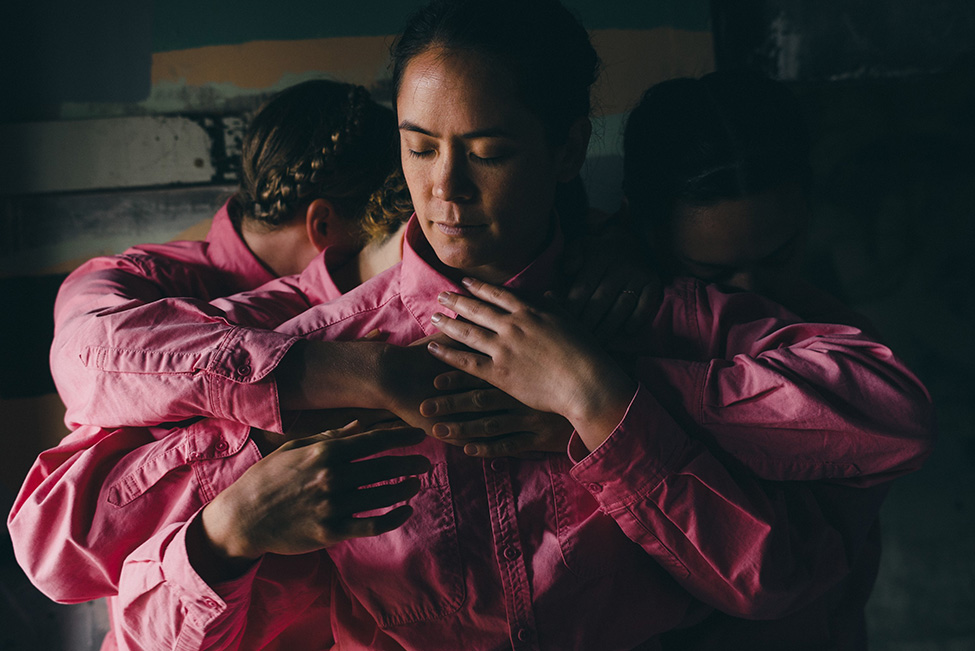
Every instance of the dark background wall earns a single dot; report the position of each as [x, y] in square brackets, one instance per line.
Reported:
[888, 89]
[889, 92]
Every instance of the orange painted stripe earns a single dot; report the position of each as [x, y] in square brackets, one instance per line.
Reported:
[263, 64]
[632, 61]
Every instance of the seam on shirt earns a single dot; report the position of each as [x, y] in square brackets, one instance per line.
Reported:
[346, 318]
[672, 562]
[415, 317]
[100, 353]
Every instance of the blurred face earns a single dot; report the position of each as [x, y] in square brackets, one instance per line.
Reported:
[752, 243]
[481, 174]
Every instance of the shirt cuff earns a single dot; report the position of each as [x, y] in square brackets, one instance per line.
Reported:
[203, 602]
[248, 358]
[645, 447]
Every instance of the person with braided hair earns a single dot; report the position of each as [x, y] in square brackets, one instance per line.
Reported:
[319, 171]
[727, 459]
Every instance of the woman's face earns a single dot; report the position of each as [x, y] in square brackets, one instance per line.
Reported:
[481, 174]
[752, 243]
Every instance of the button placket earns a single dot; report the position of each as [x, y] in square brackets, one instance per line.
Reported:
[509, 554]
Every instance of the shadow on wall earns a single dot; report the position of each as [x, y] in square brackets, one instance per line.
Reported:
[893, 236]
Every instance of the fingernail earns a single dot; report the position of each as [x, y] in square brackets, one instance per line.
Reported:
[470, 450]
[441, 431]
[433, 346]
[467, 282]
[443, 297]
[436, 318]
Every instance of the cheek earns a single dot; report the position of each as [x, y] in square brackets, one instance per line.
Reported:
[415, 182]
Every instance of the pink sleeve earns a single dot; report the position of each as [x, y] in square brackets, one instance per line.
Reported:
[137, 343]
[164, 604]
[748, 547]
[754, 474]
[90, 501]
[792, 401]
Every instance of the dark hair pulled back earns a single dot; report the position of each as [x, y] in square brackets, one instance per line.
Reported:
[726, 135]
[540, 41]
[321, 139]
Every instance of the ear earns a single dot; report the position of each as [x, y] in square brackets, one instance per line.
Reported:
[575, 148]
[320, 218]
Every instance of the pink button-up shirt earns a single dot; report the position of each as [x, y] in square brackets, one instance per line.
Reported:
[136, 341]
[677, 511]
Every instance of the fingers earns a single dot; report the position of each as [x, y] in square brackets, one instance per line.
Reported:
[464, 332]
[374, 471]
[378, 497]
[366, 444]
[622, 309]
[647, 306]
[497, 296]
[375, 525]
[493, 425]
[585, 284]
[353, 427]
[609, 295]
[479, 400]
[471, 363]
[513, 445]
[458, 381]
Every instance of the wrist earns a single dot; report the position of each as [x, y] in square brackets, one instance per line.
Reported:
[325, 375]
[601, 405]
[214, 553]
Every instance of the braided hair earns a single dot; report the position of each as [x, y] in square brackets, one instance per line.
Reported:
[322, 139]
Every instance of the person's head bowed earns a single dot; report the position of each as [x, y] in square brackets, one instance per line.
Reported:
[493, 102]
[717, 170]
[321, 144]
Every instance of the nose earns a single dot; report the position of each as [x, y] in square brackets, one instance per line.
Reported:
[452, 182]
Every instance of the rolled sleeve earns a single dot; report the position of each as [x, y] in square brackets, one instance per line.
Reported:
[163, 603]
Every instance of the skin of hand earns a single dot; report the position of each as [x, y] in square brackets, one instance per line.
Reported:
[310, 422]
[537, 356]
[305, 495]
[490, 423]
[611, 295]
[365, 374]
[614, 290]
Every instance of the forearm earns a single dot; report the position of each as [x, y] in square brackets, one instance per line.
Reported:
[92, 500]
[747, 547]
[792, 401]
[126, 351]
[329, 374]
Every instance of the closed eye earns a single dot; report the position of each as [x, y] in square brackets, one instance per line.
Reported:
[488, 160]
[420, 154]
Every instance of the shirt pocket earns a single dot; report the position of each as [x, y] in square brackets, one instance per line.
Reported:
[413, 573]
[591, 542]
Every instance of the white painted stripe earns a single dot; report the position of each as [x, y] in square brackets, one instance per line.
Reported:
[44, 157]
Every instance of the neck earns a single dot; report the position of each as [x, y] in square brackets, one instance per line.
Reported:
[374, 258]
[284, 250]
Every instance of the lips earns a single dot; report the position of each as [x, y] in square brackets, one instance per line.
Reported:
[459, 230]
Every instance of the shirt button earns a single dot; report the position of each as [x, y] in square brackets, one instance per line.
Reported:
[221, 446]
[498, 465]
[524, 635]
[595, 488]
[511, 553]
[243, 370]
[209, 603]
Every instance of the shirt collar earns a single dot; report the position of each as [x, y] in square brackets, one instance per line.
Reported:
[420, 282]
[228, 251]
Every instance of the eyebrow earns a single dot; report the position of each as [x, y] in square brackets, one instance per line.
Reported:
[489, 132]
